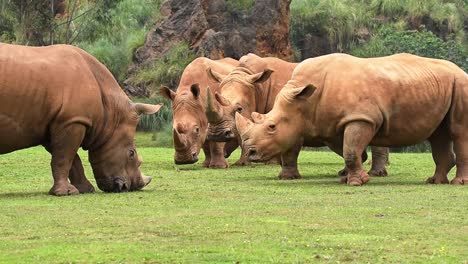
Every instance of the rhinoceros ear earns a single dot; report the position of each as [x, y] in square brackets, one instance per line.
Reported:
[257, 117]
[261, 76]
[195, 89]
[146, 109]
[167, 93]
[304, 92]
[216, 76]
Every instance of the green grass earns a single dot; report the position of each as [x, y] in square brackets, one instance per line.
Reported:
[191, 215]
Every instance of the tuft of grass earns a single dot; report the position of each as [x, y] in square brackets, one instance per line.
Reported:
[166, 70]
[242, 214]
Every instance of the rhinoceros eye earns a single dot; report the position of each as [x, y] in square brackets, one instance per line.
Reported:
[239, 109]
[197, 130]
[272, 127]
[131, 153]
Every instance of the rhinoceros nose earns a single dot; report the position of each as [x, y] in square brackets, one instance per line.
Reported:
[228, 134]
[120, 185]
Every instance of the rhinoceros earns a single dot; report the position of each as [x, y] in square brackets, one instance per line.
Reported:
[62, 98]
[189, 120]
[351, 102]
[253, 87]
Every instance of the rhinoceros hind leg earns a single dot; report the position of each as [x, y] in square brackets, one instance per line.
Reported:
[289, 169]
[461, 152]
[78, 178]
[443, 156]
[379, 160]
[64, 143]
[357, 136]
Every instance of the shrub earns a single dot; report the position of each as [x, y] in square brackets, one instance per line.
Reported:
[166, 70]
[424, 43]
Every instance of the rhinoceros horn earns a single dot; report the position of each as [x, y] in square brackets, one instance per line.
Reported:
[243, 124]
[213, 110]
[178, 142]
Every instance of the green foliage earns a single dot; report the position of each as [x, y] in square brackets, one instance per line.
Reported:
[118, 30]
[242, 5]
[163, 137]
[342, 21]
[189, 214]
[166, 70]
[424, 43]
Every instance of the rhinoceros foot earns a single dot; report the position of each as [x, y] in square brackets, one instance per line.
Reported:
[356, 180]
[289, 175]
[219, 164]
[378, 172]
[343, 172]
[460, 181]
[206, 163]
[242, 162]
[437, 180]
[85, 187]
[63, 189]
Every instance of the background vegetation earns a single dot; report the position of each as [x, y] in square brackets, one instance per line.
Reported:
[111, 30]
[189, 214]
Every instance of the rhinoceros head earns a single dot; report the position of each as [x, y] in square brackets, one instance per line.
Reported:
[116, 163]
[238, 95]
[189, 123]
[271, 134]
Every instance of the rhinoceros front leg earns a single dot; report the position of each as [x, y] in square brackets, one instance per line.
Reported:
[64, 144]
[289, 169]
[379, 160]
[78, 178]
[337, 147]
[243, 159]
[206, 150]
[217, 155]
[357, 136]
[442, 154]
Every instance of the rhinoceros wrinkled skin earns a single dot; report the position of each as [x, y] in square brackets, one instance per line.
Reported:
[62, 98]
[189, 120]
[253, 87]
[350, 102]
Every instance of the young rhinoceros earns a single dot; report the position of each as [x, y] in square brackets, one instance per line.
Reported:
[253, 87]
[189, 120]
[63, 98]
[350, 102]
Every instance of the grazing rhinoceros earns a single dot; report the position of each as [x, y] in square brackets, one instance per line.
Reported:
[350, 102]
[251, 87]
[63, 98]
[189, 120]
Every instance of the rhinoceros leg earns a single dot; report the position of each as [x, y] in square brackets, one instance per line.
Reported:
[217, 155]
[243, 160]
[289, 169]
[64, 144]
[337, 147]
[442, 154]
[206, 150]
[461, 151]
[379, 160]
[357, 136]
[77, 177]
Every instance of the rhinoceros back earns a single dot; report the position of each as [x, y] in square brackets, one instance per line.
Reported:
[33, 81]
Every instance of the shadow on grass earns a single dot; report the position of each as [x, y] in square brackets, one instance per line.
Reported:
[22, 194]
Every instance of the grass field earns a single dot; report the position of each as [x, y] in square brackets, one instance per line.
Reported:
[193, 215]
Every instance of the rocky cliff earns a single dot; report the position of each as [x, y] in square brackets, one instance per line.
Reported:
[215, 29]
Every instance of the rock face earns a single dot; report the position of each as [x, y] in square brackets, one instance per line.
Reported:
[215, 29]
